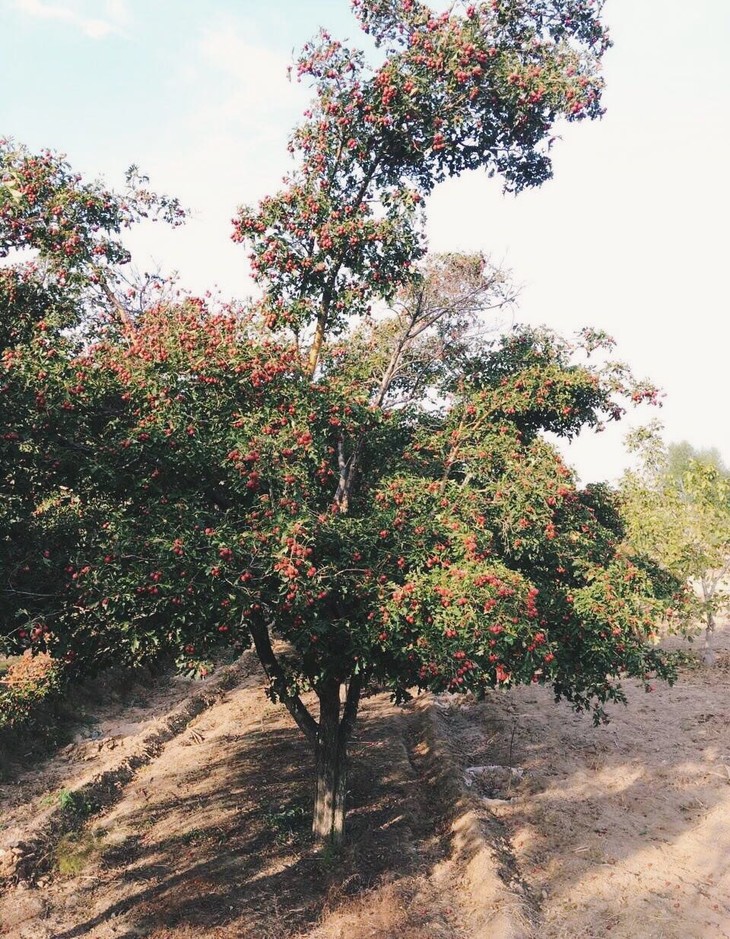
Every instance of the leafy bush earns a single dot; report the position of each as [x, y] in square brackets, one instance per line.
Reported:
[28, 682]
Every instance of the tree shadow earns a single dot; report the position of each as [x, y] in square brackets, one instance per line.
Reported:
[240, 855]
[223, 846]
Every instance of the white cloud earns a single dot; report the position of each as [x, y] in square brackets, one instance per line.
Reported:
[240, 110]
[258, 75]
[79, 15]
[228, 146]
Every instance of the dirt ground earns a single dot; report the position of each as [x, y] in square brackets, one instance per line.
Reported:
[182, 811]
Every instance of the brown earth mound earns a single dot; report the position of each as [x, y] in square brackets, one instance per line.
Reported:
[186, 815]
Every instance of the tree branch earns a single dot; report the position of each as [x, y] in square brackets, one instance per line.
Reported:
[275, 673]
[323, 316]
[349, 714]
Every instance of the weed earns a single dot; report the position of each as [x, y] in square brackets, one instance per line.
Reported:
[74, 852]
[681, 658]
[74, 803]
[192, 837]
[286, 821]
[330, 856]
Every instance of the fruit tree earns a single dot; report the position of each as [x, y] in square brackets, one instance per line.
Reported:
[353, 474]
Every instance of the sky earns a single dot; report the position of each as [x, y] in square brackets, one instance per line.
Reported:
[630, 236]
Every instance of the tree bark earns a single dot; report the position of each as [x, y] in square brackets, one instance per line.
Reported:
[329, 736]
[328, 824]
[708, 653]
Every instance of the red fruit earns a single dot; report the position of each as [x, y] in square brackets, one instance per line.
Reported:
[501, 673]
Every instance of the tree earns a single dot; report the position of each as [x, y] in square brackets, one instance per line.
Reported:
[365, 494]
[480, 89]
[61, 238]
[465, 559]
[677, 504]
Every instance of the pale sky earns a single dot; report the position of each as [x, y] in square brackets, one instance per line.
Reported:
[630, 236]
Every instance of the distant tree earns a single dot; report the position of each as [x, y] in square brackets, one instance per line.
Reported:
[681, 456]
[677, 506]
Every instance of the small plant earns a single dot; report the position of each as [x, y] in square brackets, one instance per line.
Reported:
[684, 658]
[74, 803]
[26, 682]
[74, 852]
[330, 855]
[192, 837]
[286, 821]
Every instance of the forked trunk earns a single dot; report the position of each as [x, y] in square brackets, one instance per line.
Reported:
[329, 737]
[328, 824]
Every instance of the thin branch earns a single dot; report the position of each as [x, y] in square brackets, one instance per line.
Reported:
[322, 318]
[119, 309]
[277, 677]
[346, 468]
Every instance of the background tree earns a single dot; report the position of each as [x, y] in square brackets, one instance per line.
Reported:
[677, 505]
[62, 277]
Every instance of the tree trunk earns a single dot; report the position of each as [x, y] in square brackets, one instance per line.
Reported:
[708, 653]
[333, 735]
[329, 737]
[331, 757]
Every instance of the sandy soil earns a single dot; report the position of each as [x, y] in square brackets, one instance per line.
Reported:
[184, 813]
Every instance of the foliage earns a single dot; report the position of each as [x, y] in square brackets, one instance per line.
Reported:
[28, 682]
[467, 558]
[61, 238]
[285, 821]
[479, 87]
[677, 504]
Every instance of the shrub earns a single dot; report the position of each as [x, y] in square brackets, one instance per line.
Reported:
[28, 682]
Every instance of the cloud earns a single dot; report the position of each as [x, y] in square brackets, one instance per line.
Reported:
[257, 74]
[114, 16]
[240, 107]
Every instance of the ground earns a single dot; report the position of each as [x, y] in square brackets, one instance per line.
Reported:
[180, 810]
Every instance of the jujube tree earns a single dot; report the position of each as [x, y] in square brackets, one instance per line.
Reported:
[466, 557]
[62, 277]
[353, 475]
